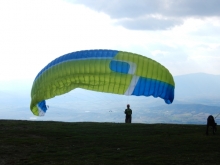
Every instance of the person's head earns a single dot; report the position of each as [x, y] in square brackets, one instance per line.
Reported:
[128, 105]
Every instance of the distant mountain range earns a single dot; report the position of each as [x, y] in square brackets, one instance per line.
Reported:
[198, 87]
[196, 96]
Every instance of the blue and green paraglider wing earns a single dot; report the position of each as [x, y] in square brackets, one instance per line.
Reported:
[108, 71]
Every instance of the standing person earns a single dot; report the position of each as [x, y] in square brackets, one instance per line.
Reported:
[128, 113]
[211, 122]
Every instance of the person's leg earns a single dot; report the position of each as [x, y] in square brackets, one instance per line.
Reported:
[207, 129]
[129, 121]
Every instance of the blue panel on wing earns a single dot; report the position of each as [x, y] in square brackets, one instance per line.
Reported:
[42, 105]
[148, 87]
[119, 66]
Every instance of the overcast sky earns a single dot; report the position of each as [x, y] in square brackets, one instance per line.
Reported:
[183, 35]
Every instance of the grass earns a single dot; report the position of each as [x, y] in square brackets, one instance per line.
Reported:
[50, 143]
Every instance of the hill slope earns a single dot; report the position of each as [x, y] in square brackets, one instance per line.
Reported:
[26, 142]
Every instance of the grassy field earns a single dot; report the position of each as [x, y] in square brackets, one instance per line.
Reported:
[31, 142]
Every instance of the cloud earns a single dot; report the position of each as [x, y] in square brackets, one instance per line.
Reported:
[141, 15]
[31, 39]
[149, 23]
[209, 29]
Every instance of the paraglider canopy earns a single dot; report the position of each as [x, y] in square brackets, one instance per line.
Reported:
[109, 71]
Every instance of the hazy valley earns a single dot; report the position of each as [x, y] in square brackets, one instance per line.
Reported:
[196, 96]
